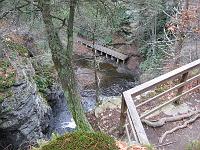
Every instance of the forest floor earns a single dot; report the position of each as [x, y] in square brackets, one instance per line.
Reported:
[107, 121]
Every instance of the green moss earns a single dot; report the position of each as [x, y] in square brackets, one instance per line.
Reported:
[149, 147]
[5, 94]
[44, 79]
[161, 88]
[81, 141]
[22, 50]
[194, 145]
[7, 78]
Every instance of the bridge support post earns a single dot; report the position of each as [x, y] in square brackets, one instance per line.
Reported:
[95, 51]
[117, 61]
[106, 55]
[112, 58]
[123, 61]
[101, 53]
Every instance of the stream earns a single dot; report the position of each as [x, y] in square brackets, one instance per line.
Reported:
[112, 83]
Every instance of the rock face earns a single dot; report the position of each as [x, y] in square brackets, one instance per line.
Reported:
[62, 121]
[24, 117]
[24, 114]
[32, 104]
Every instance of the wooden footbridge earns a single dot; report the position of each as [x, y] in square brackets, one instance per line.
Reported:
[108, 52]
[131, 119]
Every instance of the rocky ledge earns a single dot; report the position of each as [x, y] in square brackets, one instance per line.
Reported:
[30, 97]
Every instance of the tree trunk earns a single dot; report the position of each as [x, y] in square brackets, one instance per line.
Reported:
[179, 43]
[95, 62]
[177, 49]
[63, 62]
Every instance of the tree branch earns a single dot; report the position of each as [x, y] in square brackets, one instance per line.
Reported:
[1, 1]
[15, 8]
[62, 20]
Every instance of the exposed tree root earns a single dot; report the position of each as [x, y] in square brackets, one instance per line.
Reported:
[165, 144]
[179, 127]
[164, 120]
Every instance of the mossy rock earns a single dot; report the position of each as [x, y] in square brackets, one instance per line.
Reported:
[82, 141]
[7, 78]
[44, 78]
[5, 94]
[22, 50]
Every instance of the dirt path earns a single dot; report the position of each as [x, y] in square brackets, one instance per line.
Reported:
[182, 137]
[108, 121]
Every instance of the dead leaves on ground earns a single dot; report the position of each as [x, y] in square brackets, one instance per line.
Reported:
[124, 146]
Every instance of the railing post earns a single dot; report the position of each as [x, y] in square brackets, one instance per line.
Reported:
[122, 117]
[180, 90]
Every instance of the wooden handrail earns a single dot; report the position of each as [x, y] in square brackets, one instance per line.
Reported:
[169, 90]
[168, 102]
[128, 103]
[148, 85]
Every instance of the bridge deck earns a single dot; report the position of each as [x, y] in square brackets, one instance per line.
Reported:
[105, 50]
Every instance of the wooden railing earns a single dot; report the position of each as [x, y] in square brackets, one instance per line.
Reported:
[128, 107]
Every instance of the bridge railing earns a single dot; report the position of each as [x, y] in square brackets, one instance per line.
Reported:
[185, 76]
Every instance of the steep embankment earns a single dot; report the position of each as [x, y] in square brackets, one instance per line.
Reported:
[32, 103]
[24, 114]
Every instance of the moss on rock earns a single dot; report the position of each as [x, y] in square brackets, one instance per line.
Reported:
[44, 78]
[7, 78]
[19, 48]
[82, 141]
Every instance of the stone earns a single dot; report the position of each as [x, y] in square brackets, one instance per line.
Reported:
[24, 115]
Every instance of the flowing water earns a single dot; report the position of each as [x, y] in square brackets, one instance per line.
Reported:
[112, 82]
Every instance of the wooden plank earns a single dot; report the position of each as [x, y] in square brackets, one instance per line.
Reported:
[110, 52]
[132, 127]
[169, 90]
[148, 85]
[122, 116]
[128, 135]
[142, 137]
[168, 102]
[106, 50]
